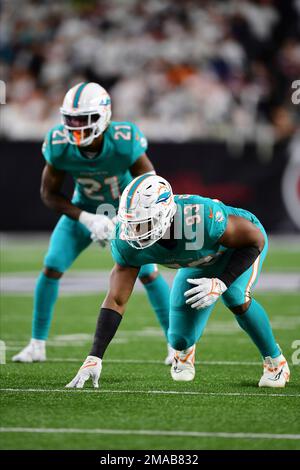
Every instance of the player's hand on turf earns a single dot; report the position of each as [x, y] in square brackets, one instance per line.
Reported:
[91, 368]
[206, 292]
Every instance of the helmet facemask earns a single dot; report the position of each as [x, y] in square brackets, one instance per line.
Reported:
[145, 231]
[81, 129]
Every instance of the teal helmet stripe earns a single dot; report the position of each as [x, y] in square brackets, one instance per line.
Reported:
[133, 188]
[77, 94]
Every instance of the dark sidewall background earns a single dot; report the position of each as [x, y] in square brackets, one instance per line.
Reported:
[242, 179]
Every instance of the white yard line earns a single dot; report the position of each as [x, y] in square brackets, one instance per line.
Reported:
[148, 392]
[147, 361]
[149, 432]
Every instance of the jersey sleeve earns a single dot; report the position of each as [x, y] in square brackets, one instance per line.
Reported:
[215, 221]
[139, 144]
[54, 146]
[47, 148]
[117, 256]
[122, 253]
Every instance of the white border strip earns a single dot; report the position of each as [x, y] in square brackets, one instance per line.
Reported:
[149, 432]
[148, 392]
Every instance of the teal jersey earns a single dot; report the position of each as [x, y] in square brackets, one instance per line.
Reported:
[103, 178]
[196, 215]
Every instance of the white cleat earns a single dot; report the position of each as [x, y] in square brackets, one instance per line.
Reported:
[183, 369]
[170, 356]
[276, 372]
[35, 351]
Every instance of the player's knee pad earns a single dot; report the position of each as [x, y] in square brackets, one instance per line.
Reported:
[235, 295]
[148, 271]
[52, 273]
[180, 342]
[54, 262]
[240, 309]
[149, 278]
[68, 240]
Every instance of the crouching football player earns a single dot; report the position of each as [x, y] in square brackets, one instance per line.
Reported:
[102, 156]
[218, 251]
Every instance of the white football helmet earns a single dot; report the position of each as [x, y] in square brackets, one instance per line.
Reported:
[86, 112]
[146, 210]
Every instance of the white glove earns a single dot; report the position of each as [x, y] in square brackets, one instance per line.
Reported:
[102, 228]
[206, 293]
[91, 368]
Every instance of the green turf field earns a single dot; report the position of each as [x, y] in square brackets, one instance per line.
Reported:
[138, 406]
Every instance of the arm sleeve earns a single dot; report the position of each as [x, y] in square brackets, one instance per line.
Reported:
[241, 259]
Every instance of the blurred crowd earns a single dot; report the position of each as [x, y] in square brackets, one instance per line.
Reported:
[181, 69]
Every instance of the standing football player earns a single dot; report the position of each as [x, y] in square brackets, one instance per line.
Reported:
[103, 157]
[218, 251]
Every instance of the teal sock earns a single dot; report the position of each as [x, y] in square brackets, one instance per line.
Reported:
[46, 292]
[256, 323]
[159, 296]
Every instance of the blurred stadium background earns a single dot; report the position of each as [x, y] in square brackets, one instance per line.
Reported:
[210, 84]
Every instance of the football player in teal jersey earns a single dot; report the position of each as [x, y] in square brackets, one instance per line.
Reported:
[218, 251]
[102, 156]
